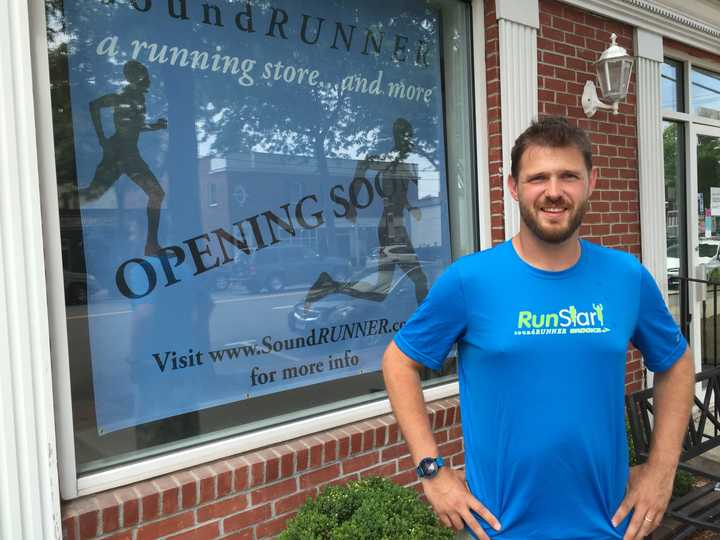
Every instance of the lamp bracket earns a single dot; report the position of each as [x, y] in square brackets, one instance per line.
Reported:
[591, 102]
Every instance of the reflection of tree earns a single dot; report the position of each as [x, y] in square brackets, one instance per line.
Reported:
[322, 122]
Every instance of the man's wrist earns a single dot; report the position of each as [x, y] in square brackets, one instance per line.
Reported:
[429, 467]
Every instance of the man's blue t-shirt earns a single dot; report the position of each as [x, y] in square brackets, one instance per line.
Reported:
[542, 377]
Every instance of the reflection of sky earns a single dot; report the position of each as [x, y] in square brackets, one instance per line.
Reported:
[706, 92]
[670, 87]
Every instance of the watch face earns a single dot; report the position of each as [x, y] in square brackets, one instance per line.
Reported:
[428, 467]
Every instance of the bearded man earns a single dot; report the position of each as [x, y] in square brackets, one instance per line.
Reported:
[542, 323]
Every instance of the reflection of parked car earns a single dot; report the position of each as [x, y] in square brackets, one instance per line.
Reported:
[79, 286]
[396, 288]
[398, 253]
[708, 255]
[276, 267]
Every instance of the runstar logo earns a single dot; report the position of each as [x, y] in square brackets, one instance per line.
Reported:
[565, 321]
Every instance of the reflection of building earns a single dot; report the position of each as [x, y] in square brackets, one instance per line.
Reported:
[233, 188]
[286, 445]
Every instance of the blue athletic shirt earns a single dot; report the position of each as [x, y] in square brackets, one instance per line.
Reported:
[542, 377]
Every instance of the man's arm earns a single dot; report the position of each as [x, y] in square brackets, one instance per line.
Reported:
[446, 492]
[650, 485]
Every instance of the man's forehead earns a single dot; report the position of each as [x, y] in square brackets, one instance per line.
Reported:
[537, 157]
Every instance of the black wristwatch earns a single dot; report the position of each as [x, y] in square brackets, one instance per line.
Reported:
[429, 466]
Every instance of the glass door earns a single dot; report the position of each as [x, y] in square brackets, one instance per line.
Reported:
[704, 232]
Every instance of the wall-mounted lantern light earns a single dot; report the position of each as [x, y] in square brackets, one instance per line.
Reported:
[613, 72]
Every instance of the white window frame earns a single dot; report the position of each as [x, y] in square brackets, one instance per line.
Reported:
[692, 125]
[72, 486]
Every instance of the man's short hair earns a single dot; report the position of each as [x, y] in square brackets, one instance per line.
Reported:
[550, 132]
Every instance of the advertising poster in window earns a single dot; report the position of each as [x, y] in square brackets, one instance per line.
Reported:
[261, 189]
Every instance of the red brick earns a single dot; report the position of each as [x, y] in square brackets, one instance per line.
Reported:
[360, 462]
[392, 452]
[315, 453]
[406, 463]
[552, 33]
[380, 434]
[546, 70]
[257, 470]
[394, 432]
[457, 460]
[166, 526]
[110, 512]
[343, 447]
[247, 534]
[131, 513]
[452, 413]
[206, 532]
[272, 469]
[241, 478]
[555, 84]
[224, 478]
[303, 459]
[222, 508]
[439, 419]
[385, 470]
[125, 535]
[405, 478]
[206, 484]
[355, 442]
[274, 491]
[563, 24]
[565, 49]
[270, 529]
[368, 439]
[450, 448]
[287, 464]
[293, 502]
[247, 518]
[88, 524]
[169, 495]
[149, 501]
[441, 436]
[69, 528]
[188, 489]
[321, 476]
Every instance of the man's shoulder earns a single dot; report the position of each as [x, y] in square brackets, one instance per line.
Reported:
[483, 262]
[612, 261]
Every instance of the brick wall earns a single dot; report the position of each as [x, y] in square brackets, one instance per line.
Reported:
[252, 496]
[672, 45]
[492, 75]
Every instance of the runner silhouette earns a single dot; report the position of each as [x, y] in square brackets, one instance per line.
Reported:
[120, 151]
[392, 180]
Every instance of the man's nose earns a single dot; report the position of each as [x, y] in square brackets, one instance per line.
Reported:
[553, 189]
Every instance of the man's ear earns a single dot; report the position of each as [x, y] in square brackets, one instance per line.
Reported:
[592, 181]
[512, 186]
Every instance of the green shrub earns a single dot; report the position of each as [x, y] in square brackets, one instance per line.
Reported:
[631, 445]
[683, 483]
[368, 509]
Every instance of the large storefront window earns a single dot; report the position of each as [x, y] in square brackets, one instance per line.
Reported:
[254, 196]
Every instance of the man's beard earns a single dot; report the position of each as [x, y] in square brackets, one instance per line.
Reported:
[554, 235]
